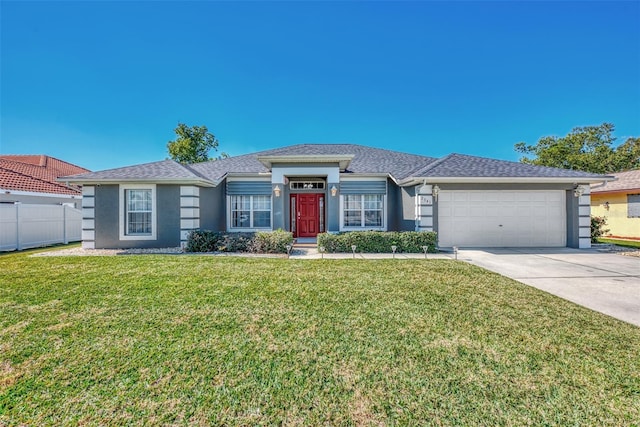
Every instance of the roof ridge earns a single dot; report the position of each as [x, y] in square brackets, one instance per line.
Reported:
[433, 164]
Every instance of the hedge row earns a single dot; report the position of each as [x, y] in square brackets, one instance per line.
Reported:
[379, 241]
[271, 242]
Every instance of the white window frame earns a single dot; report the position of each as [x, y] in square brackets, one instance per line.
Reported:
[251, 211]
[363, 227]
[122, 212]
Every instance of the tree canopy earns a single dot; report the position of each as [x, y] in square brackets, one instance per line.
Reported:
[588, 149]
[192, 144]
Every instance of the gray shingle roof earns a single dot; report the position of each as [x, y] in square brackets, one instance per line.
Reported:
[165, 169]
[625, 181]
[460, 165]
[366, 160]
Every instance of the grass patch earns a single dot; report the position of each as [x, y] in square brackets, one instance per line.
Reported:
[238, 341]
[618, 242]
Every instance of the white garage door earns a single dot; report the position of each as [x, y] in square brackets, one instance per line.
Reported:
[502, 218]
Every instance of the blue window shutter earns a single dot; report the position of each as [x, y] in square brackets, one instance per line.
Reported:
[248, 188]
[363, 187]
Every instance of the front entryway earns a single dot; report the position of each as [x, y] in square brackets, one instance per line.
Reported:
[307, 213]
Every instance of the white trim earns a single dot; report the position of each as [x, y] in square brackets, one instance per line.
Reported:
[343, 160]
[584, 243]
[365, 228]
[88, 202]
[500, 180]
[122, 212]
[88, 235]
[278, 174]
[88, 213]
[351, 177]
[35, 193]
[189, 190]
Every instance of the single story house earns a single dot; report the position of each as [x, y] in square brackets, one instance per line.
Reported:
[619, 202]
[314, 188]
[32, 179]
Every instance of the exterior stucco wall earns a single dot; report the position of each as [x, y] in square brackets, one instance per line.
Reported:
[108, 211]
[400, 208]
[213, 212]
[618, 223]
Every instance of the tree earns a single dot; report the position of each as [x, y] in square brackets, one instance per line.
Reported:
[192, 144]
[586, 148]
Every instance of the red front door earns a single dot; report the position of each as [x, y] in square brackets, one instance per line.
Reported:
[307, 212]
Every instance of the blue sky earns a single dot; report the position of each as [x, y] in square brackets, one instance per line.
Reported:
[103, 84]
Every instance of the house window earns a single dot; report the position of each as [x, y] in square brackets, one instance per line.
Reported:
[633, 205]
[307, 185]
[251, 211]
[138, 212]
[363, 210]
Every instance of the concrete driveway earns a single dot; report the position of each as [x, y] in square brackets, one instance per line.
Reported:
[603, 282]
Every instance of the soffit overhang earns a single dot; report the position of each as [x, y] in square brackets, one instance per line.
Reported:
[343, 160]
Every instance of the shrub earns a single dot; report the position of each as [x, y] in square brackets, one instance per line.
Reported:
[597, 228]
[203, 241]
[379, 241]
[271, 242]
[260, 242]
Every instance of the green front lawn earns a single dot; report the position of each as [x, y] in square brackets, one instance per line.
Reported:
[618, 242]
[204, 340]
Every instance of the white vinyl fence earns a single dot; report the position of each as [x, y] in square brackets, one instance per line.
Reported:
[25, 226]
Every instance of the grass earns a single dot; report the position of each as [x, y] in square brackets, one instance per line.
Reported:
[619, 242]
[198, 340]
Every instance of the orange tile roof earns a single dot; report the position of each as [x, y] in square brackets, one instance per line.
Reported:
[37, 173]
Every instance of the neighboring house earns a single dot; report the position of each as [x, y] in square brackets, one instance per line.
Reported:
[33, 179]
[313, 188]
[619, 202]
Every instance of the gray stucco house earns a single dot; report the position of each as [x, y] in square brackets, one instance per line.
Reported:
[314, 188]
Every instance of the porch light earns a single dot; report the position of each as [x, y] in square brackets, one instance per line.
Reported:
[435, 191]
[578, 190]
[277, 191]
[334, 191]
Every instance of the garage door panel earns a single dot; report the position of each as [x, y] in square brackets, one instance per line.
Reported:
[502, 218]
